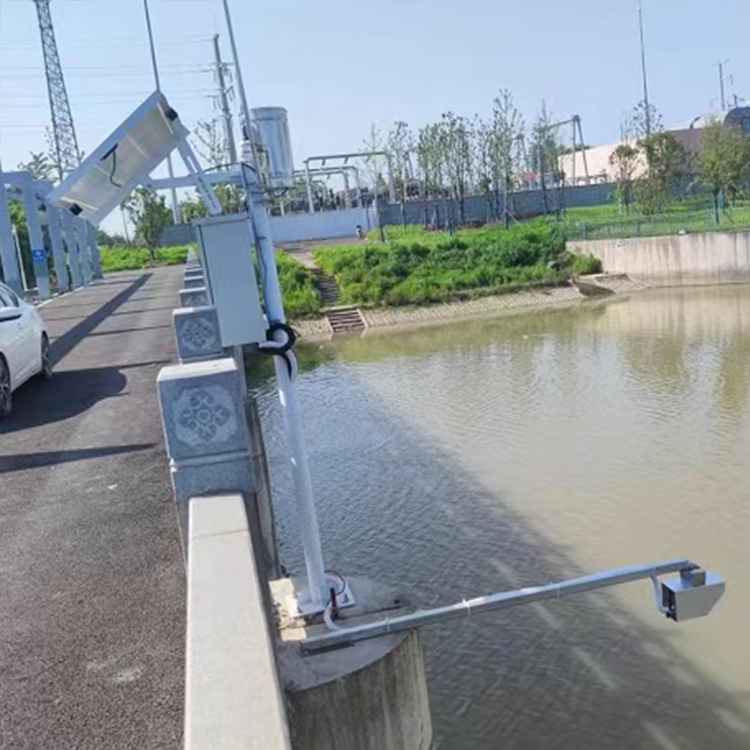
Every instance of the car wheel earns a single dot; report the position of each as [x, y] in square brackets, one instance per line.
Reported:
[46, 371]
[6, 395]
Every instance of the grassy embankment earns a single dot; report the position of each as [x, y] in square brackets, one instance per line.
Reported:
[417, 267]
[301, 296]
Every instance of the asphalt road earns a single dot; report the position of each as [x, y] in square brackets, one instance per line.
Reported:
[92, 584]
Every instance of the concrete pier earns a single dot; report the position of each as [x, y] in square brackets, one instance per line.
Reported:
[368, 696]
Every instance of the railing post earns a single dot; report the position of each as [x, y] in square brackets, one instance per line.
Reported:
[197, 335]
[206, 433]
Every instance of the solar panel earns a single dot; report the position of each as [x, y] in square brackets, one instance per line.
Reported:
[122, 161]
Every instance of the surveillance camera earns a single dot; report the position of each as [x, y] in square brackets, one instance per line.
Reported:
[693, 594]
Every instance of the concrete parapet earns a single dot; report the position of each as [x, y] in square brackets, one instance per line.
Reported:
[197, 297]
[233, 698]
[194, 282]
[197, 333]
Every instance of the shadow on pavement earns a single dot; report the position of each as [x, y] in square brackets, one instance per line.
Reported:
[68, 393]
[64, 344]
[23, 461]
[128, 330]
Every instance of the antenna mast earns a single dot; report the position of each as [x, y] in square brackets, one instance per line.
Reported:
[67, 155]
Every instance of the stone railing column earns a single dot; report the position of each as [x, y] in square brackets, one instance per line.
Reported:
[206, 433]
[196, 331]
[197, 297]
[209, 445]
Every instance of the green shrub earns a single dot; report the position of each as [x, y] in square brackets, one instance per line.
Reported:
[584, 263]
[301, 296]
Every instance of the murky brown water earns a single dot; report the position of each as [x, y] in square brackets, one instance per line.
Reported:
[484, 455]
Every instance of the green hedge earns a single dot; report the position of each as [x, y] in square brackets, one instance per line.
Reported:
[134, 258]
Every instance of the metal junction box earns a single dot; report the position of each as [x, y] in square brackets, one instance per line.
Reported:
[226, 245]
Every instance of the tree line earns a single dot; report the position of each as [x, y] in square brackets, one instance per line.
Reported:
[456, 156]
[650, 165]
[459, 156]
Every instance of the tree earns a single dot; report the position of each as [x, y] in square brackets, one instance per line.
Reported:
[149, 215]
[507, 132]
[211, 143]
[545, 150]
[40, 166]
[457, 134]
[665, 163]
[625, 161]
[724, 161]
[399, 145]
[213, 147]
[375, 164]
[192, 208]
[431, 158]
[482, 155]
[643, 121]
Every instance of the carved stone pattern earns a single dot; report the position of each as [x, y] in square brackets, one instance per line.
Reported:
[198, 335]
[204, 416]
[195, 300]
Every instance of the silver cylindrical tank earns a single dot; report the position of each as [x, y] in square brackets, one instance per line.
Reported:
[273, 125]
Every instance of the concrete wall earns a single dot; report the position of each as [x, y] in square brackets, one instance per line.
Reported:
[706, 258]
[479, 208]
[293, 227]
[322, 225]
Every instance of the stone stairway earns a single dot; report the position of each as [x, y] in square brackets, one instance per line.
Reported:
[327, 286]
[345, 319]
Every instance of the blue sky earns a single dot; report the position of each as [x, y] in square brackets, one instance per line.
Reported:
[340, 65]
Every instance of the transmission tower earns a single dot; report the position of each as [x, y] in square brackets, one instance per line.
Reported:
[67, 156]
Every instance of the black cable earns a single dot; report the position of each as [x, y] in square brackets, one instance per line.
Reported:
[113, 152]
[291, 337]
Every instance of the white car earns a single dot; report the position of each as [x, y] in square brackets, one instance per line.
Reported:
[24, 346]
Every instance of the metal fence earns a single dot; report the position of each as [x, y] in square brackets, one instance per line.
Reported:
[657, 225]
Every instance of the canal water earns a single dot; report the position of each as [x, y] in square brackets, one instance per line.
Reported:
[485, 455]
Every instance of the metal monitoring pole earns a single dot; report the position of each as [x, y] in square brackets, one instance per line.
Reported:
[173, 191]
[343, 636]
[67, 155]
[643, 70]
[224, 102]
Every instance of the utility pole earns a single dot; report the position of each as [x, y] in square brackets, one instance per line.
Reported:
[224, 102]
[173, 191]
[643, 71]
[721, 85]
[246, 128]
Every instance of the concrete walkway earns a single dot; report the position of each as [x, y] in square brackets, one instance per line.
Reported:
[92, 590]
